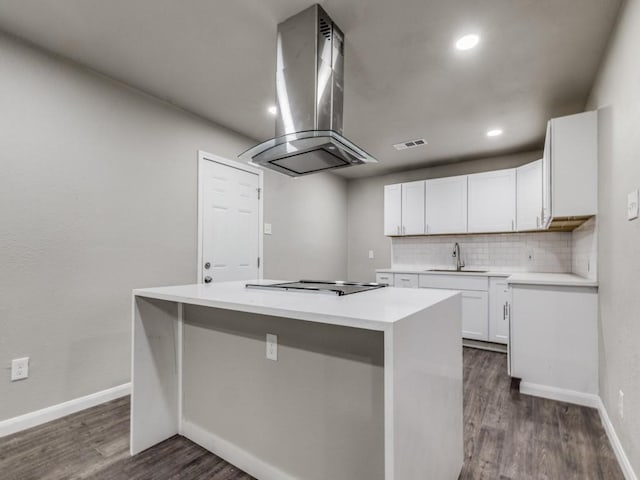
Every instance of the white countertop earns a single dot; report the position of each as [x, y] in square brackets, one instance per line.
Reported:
[558, 279]
[522, 278]
[426, 271]
[373, 310]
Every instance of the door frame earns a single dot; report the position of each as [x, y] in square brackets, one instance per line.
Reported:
[209, 157]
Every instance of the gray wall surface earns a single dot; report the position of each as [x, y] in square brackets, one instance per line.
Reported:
[366, 202]
[617, 94]
[320, 406]
[98, 195]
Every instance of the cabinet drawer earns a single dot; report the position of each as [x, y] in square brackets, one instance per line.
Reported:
[454, 282]
[405, 280]
[385, 278]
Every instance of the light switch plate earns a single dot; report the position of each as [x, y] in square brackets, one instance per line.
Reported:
[632, 205]
[370, 253]
[267, 229]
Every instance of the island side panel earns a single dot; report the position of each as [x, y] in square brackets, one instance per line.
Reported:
[426, 380]
[315, 413]
[155, 392]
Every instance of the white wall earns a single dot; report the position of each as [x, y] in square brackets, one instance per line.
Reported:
[98, 196]
[617, 94]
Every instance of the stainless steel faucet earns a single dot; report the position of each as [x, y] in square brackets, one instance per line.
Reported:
[457, 256]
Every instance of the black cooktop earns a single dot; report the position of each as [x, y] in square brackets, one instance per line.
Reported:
[320, 286]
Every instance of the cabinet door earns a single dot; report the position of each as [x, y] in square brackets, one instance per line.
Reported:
[498, 318]
[392, 209]
[405, 280]
[385, 278]
[529, 196]
[446, 205]
[546, 179]
[413, 208]
[475, 315]
[492, 201]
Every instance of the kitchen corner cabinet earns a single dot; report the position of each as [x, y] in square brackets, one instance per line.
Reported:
[492, 201]
[446, 205]
[554, 338]
[404, 208]
[570, 167]
[529, 196]
[499, 295]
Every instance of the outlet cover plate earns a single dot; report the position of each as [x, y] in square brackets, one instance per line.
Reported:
[19, 368]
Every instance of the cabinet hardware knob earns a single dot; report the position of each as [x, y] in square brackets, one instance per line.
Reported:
[208, 279]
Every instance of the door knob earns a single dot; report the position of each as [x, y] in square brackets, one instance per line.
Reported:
[207, 265]
[207, 279]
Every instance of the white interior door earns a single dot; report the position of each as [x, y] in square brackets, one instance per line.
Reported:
[230, 222]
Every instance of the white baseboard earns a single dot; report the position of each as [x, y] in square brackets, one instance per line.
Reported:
[560, 394]
[232, 453]
[623, 460]
[33, 419]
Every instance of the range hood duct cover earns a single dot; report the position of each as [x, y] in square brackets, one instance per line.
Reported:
[309, 96]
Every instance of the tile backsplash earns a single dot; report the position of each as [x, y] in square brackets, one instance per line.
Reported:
[584, 255]
[513, 252]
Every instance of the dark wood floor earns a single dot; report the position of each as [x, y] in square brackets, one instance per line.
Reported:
[507, 436]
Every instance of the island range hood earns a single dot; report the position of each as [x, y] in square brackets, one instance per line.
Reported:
[309, 96]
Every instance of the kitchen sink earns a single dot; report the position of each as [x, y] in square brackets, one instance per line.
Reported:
[453, 270]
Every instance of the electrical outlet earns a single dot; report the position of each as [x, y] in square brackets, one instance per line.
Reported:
[19, 368]
[530, 256]
[272, 347]
[621, 404]
[267, 229]
[370, 253]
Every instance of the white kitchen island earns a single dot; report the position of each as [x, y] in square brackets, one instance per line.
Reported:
[366, 386]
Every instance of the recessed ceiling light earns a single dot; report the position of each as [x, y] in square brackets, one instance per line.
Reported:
[467, 42]
[273, 110]
[494, 132]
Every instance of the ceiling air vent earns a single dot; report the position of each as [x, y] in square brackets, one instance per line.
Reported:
[410, 144]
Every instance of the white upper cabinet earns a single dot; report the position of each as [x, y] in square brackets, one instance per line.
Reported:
[413, 208]
[529, 196]
[404, 208]
[392, 209]
[571, 166]
[492, 201]
[446, 205]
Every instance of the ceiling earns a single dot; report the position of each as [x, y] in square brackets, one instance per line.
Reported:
[404, 79]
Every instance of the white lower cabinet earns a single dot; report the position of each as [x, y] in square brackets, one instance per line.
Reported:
[405, 280]
[385, 278]
[554, 341]
[475, 300]
[498, 304]
[475, 315]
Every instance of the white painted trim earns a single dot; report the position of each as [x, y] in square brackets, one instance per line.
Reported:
[389, 406]
[179, 361]
[38, 417]
[623, 460]
[204, 157]
[560, 394]
[232, 453]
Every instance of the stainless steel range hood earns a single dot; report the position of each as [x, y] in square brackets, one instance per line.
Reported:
[309, 95]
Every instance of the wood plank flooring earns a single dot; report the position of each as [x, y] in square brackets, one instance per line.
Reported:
[508, 436]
